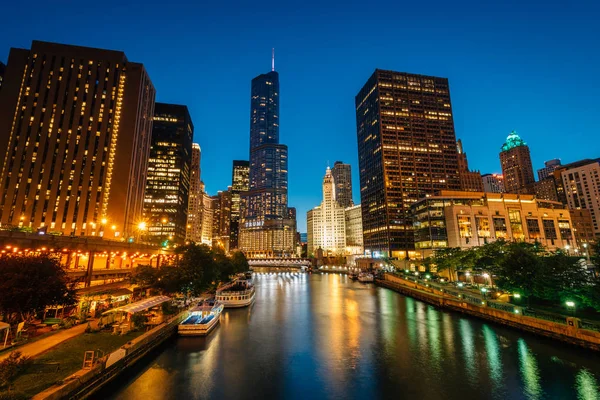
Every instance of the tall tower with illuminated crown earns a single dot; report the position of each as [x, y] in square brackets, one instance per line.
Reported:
[265, 227]
[516, 165]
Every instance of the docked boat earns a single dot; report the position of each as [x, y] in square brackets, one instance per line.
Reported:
[202, 319]
[364, 277]
[354, 276]
[239, 293]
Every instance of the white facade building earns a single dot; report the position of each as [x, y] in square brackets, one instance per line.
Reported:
[327, 222]
[581, 182]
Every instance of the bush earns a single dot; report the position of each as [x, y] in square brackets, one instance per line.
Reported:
[11, 367]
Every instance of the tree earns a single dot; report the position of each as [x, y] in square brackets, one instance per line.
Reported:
[451, 259]
[239, 262]
[517, 269]
[29, 284]
[563, 278]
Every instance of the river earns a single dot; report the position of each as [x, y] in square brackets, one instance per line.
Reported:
[322, 336]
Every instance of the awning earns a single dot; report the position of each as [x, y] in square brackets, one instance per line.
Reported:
[140, 305]
[4, 325]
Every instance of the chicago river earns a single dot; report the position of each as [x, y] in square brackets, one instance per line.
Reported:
[323, 336]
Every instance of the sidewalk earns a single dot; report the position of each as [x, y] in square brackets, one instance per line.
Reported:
[40, 346]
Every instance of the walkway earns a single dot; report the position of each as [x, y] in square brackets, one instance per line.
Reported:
[40, 346]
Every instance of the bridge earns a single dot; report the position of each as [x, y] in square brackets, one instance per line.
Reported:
[279, 264]
[87, 259]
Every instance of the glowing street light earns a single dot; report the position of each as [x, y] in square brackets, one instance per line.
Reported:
[517, 296]
[570, 303]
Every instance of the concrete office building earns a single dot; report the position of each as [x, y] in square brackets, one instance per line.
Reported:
[75, 134]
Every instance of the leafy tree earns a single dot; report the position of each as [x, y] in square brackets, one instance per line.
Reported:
[452, 260]
[563, 278]
[517, 269]
[29, 284]
[239, 262]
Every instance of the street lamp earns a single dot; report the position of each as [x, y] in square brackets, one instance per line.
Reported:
[567, 247]
[587, 253]
[483, 292]
[571, 306]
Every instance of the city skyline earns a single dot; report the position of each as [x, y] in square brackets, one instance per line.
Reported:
[528, 92]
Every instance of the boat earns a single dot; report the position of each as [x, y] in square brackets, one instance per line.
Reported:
[202, 319]
[239, 293]
[354, 276]
[364, 277]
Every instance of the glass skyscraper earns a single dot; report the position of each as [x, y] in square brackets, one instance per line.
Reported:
[265, 228]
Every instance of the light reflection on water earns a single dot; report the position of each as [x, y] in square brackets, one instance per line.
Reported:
[324, 336]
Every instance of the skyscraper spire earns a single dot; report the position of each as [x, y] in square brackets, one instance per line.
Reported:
[273, 59]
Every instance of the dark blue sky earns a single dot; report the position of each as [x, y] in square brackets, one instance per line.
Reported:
[532, 67]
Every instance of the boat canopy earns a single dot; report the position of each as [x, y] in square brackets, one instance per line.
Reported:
[140, 305]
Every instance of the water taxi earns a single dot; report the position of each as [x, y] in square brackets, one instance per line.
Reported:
[364, 277]
[202, 319]
[239, 293]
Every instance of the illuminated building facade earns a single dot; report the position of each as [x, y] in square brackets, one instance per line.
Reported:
[517, 169]
[342, 175]
[168, 181]
[240, 182]
[406, 149]
[327, 222]
[194, 218]
[581, 183]
[354, 232]
[265, 229]
[76, 127]
[493, 183]
[469, 219]
[207, 218]
[470, 181]
[221, 204]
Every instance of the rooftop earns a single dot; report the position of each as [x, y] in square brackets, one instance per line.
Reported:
[513, 140]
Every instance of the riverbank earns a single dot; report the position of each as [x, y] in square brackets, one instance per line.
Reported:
[570, 330]
[86, 382]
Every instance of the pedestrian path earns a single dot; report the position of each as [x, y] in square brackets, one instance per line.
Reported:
[40, 346]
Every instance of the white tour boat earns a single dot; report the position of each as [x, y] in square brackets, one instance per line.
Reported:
[202, 319]
[364, 277]
[239, 293]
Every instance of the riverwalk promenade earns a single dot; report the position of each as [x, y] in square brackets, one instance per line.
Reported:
[567, 329]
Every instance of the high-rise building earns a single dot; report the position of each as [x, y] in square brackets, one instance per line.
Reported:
[342, 176]
[240, 182]
[470, 181]
[516, 165]
[406, 150]
[265, 229]
[75, 134]
[194, 220]
[493, 183]
[583, 228]
[545, 189]
[549, 167]
[168, 183]
[327, 222]
[2, 70]
[221, 219]
[354, 232]
[207, 218]
[581, 183]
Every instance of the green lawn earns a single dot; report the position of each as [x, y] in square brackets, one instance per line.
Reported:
[65, 359]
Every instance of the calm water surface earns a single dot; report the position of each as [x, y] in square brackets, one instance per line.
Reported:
[326, 337]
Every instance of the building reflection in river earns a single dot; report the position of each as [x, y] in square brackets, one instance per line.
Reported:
[324, 336]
